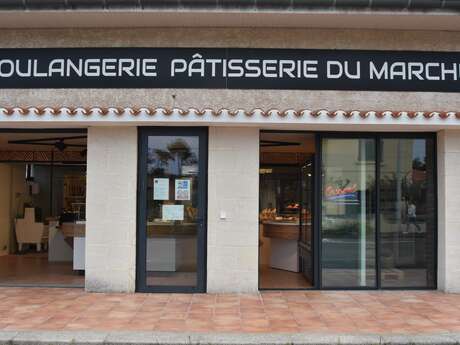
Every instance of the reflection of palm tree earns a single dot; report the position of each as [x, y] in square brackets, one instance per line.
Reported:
[180, 148]
[163, 156]
[418, 164]
[178, 152]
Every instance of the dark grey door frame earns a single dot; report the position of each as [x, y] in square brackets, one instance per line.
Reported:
[143, 134]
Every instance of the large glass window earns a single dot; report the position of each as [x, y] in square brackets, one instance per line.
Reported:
[387, 184]
[407, 213]
[348, 213]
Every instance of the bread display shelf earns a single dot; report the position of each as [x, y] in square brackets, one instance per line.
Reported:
[73, 229]
[281, 230]
[171, 230]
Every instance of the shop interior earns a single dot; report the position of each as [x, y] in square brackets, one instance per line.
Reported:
[360, 238]
[286, 205]
[42, 208]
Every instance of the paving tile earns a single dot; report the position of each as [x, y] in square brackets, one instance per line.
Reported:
[171, 325]
[227, 311]
[252, 315]
[334, 312]
[198, 325]
[260, 323]
[226, 320]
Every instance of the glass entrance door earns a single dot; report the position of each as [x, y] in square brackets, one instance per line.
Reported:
[172, 209]
[348, 213]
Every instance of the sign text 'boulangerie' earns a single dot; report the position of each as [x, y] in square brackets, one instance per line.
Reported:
[229, 68]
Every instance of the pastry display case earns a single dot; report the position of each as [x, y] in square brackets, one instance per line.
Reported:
[285, 215]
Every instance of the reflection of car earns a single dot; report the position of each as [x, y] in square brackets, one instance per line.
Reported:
[337, 226]
[345, 252]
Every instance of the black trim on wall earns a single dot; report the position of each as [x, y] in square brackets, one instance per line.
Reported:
[242, 5]
[378, 160]
[43, 130]
[317, 212]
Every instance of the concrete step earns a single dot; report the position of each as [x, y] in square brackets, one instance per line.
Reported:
[160, 338]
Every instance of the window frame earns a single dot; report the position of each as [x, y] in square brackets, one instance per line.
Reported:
[378, 137]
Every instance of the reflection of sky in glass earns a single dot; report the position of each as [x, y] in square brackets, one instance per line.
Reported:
[172, 165]
[419, 149]
[162, 142]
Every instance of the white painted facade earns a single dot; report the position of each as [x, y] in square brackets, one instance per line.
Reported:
[232, 245]
[233, 189]
[448, 215]
[111, 209]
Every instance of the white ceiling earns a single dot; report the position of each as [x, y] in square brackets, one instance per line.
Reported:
[5, 137]
[306, 141]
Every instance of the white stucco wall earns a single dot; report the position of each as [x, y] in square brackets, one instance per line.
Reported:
[448, 214]
[233, 189]
[111, 209]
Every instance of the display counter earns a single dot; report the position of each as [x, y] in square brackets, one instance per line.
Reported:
[281, 230]
[167, 229]
[284, 238]
[170, 245]
[67, 243]
[72, 230]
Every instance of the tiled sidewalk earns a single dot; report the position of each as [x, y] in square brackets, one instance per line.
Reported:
[358, 312]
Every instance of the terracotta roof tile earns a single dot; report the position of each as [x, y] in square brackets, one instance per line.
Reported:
[163, 111]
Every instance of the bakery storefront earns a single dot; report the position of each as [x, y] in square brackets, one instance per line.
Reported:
[341, 210]
[231, 169]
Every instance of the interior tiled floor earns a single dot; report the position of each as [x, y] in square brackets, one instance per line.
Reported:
[34, 268]
[295, 311]
[272, 278]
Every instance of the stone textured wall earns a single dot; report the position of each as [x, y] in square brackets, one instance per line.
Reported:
[233, 188]
[448, 210]
[111, 209]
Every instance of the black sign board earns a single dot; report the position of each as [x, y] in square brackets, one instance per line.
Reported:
[230, 68]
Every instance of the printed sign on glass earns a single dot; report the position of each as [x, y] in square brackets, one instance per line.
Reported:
[161, 189]
[182, 189]
[172, 212]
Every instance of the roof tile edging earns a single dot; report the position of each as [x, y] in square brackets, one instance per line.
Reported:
[153, 111]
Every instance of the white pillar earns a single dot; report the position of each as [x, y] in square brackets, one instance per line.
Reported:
[111, 209]
[233, 192]
[448, 210]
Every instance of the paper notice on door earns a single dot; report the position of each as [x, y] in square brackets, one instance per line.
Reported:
[161, 189]
[182, 188]
[172, 212]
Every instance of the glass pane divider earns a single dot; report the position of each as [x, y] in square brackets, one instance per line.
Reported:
[378, 164]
